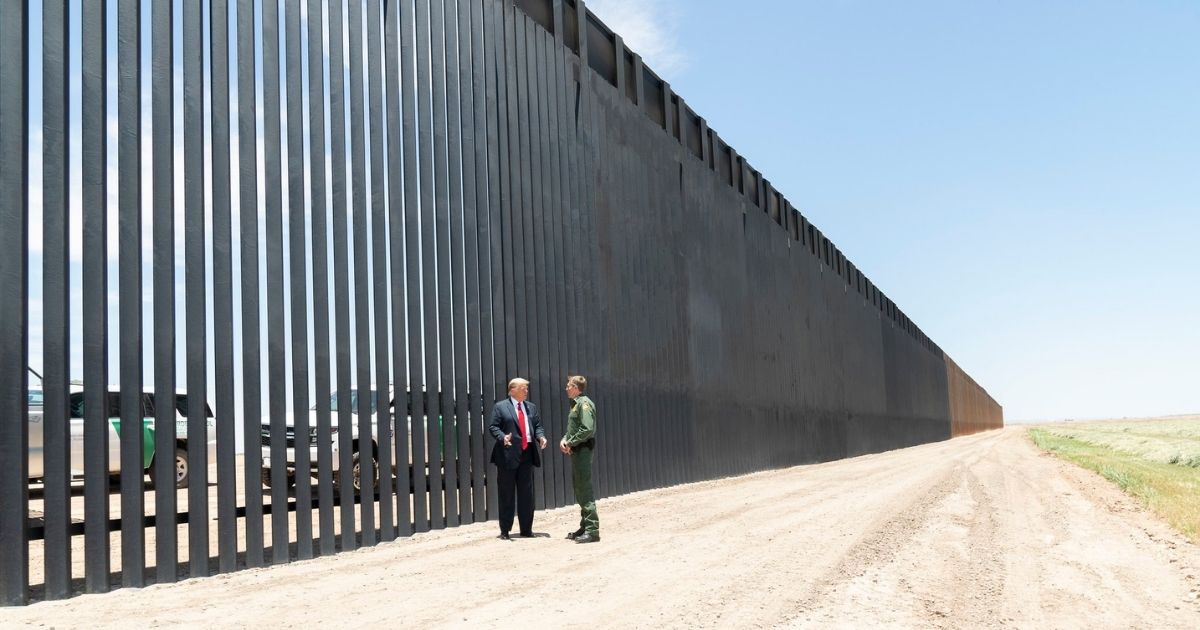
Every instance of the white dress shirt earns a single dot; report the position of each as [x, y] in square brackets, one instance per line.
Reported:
[525, 411]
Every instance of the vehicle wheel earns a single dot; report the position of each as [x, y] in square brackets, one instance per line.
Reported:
[182, 471]
[356, 470]
[288, 482]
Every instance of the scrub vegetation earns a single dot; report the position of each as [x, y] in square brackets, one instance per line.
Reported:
[1156, 461]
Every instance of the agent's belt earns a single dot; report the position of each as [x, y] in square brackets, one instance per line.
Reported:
[589, 443]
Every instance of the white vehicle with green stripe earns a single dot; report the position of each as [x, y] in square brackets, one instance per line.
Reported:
[75, 406]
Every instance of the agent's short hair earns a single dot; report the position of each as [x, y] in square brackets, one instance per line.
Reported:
[517, 382]
[579, 382]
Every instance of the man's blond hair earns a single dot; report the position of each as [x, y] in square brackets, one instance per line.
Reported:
[579, 382]
[517, 382]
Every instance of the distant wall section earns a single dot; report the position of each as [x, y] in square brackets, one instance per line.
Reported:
[972, 409]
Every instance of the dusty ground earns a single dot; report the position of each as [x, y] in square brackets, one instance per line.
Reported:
[982, 531]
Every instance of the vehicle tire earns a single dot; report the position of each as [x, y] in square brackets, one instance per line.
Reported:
[356, 474]
[288, 482]
[182, 470]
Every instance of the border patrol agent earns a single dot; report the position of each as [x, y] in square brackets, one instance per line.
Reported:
[579, 443]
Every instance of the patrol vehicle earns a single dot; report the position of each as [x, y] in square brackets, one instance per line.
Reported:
[75, 406]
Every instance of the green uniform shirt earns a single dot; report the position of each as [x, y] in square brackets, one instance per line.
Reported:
[581, 423]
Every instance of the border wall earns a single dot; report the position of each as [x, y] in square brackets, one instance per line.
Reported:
[450, 194]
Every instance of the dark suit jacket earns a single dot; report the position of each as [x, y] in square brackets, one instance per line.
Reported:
[504, 420]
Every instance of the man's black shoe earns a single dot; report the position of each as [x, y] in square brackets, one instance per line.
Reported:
[575, 534]
[505, 536]
[587, 538]
[526, 534]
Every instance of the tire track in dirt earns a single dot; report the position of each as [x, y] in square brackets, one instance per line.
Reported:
[860, 569]
[802, 543]
[932, 559]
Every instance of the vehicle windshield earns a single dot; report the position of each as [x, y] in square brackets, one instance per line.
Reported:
[333, 401]
[35, 397]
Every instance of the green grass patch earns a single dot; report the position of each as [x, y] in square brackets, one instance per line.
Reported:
[1167, 440]
[1170, 490]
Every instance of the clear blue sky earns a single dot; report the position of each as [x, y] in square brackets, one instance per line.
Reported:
[1022, 178]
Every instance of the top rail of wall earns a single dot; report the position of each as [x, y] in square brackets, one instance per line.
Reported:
[623, 69]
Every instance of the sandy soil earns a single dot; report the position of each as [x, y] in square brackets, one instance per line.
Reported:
[78, 557]
[983, 531]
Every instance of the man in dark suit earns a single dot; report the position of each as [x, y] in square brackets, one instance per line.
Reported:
[517, 428]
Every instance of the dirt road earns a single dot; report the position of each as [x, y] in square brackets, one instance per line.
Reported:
[982, 531]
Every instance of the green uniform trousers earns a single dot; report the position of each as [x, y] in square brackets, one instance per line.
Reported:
[581, 478]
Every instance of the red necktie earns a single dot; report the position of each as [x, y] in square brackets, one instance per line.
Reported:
[521, 425]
